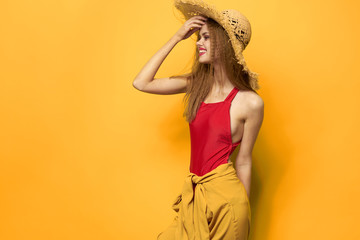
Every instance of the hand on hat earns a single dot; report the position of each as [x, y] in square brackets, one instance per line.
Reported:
[189, 27]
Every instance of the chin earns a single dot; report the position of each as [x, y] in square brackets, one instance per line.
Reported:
[207, 61]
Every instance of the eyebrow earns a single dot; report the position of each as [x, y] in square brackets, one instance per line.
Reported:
[202, 34]
[198, 37]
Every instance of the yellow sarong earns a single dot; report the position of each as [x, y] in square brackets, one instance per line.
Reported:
[219, 208]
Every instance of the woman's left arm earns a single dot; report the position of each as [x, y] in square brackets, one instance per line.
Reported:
[253, 121]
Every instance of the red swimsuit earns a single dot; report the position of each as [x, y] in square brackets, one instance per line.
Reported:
[210, 135]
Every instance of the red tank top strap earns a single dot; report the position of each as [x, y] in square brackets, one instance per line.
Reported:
[231, 95]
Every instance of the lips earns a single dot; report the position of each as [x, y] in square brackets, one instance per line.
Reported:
[202, 51]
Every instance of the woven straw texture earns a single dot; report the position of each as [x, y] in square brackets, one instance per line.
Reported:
[235, 24]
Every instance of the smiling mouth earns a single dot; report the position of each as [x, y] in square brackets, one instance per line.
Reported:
[202, 53]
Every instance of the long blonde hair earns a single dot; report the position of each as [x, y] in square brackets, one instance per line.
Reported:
[201, 78]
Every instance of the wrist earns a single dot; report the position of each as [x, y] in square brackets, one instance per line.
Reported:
[174, 39]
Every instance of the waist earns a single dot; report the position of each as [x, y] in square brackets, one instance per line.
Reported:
[202, 167]
[224, 170]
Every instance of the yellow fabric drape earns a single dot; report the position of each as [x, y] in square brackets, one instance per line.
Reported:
[218, 208]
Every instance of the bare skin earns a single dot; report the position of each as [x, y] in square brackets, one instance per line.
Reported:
[247, 108]
[240, 108]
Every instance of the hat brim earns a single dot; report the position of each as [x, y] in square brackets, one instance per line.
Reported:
[191, 8]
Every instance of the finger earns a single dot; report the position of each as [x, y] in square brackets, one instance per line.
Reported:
[195, 26]
[198, 18]
[198, 21]
[201, 17]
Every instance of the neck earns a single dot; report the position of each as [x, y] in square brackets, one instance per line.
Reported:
[221, 81]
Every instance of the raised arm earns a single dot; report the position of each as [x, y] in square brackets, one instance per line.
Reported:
[145, 81]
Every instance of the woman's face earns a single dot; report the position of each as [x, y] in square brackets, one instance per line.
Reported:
[203, 44]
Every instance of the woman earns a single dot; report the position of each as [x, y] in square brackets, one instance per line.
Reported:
[223, 110]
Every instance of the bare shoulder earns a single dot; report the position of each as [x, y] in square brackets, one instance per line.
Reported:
[248, 103]
[253, 101]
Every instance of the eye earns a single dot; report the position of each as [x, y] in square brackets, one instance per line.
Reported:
[206, 37]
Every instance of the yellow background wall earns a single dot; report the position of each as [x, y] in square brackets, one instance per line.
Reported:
[84, 155]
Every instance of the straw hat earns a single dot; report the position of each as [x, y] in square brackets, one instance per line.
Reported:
[235, 24]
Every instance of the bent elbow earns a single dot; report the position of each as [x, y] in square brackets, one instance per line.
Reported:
[136, 85]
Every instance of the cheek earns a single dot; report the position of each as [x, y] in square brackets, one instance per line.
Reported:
[208, 47]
